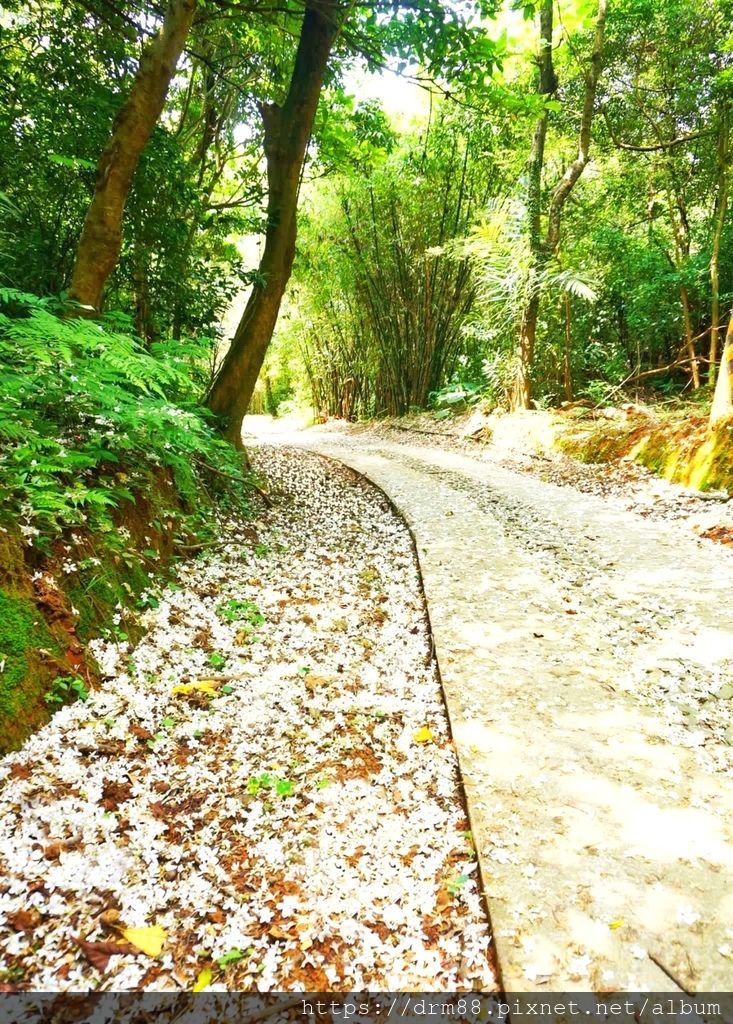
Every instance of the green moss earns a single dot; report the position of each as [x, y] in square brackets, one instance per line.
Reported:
[682, 450]
[23, 633]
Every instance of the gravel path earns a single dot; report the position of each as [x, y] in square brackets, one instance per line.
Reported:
[265, 789]
[587, 657]
[635, 488]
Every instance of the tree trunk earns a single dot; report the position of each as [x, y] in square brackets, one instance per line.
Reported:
[723, 399]
[101, 238]
[721, 205]
[522, 393]
[543, 252]
[287, 133]
[689, 340]
[566, 184]
[567, 369]
[270, 406]
[141, 294]
[681, 230]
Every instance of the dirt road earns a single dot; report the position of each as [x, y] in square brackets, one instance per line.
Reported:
[587, 661]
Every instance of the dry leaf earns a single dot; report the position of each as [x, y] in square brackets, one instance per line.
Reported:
[24, 920]
[423, 735]
[202, 687]
[147, 940]
[204, 980]
[139, 732]
[312, 681]
[98, 953]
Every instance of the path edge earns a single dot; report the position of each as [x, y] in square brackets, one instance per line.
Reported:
[496, 956]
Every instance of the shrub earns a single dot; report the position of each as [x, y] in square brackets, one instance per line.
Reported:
[87, 414]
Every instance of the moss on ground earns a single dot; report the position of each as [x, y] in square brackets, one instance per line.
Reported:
[23, 636]
[682, 449]
[51, 605]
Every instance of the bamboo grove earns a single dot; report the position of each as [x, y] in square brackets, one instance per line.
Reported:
[552, 221]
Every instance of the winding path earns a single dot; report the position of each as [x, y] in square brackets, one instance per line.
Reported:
[586, 659]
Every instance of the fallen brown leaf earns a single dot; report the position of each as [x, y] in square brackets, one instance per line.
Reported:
[140, 733]
[98, 953]
[24, 920]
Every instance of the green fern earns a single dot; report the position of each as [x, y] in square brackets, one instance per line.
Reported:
[87, 414]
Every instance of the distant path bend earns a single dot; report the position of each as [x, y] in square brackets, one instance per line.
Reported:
[586, 656]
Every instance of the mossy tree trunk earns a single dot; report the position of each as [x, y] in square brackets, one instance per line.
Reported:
[722, 406]
[101, 238]
[721, 206]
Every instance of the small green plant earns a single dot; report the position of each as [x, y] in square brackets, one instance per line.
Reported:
[269, 783]
[65, 690]
[232, 957]
[468, 836]
[217, 660]
[456, 884]
[262, 550]
[241, 611]
[156, 739]
[457, 394]
[88, 413]
[598, 391]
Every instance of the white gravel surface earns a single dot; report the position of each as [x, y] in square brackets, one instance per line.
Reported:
[587, 659]
[295, 824]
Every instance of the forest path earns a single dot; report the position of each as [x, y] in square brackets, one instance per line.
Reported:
[586, 658]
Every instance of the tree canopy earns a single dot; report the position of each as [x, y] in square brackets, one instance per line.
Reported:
[552, 224]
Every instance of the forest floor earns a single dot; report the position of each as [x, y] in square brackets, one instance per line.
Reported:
[584, 635]
[264, 789]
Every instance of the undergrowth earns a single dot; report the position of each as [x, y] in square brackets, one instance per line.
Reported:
[109, 470]
[87, 414]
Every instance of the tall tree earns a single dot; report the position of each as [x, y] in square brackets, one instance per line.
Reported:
[288, 130]
[546, 86]
[544, 250]
[721, 206]
[101, 238]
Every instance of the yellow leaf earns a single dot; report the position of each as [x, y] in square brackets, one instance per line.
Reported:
[306, 943]
[204, 980]
[190, 687]
[147, 940]
[423, 735]
[618, 923]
